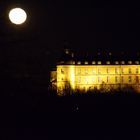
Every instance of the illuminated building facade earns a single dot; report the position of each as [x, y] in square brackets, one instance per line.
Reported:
[95, 74]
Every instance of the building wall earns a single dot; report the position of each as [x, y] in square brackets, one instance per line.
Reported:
[91, 76]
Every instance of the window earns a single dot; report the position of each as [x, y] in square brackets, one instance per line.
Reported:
[116, 79]
[107, 80]
[122, 70]
[62, 71]
[129, 79]
[99, 79]
[137, 62]
[108, 62]
[116, 70]
[129, 70]
[122, 62]
[116, 62]
[99, 62]
[78, 62]
[93, 80]
[86, 80]
[79, 79]
[137, 79]
[122, 79]
[107, 70]
[73, 62]
[129, 62]
[99, 71]
[79, 71]
[93, 71]
[137, 70]
[86, 62]
[93, 62]
[86, 71]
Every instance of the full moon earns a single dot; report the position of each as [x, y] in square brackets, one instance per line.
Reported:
[17, 16]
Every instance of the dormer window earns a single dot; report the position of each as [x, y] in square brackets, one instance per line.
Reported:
[108, 62]
[123, 62]
[129, 62]
[116, 62]
[93, 62]
[79, 62]
[137, 62]
[73, 62]
[86, 62]
[99, 62]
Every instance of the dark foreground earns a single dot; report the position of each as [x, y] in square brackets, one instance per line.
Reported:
[87, 117]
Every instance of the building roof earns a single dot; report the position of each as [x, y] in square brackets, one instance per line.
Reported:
[98, 58]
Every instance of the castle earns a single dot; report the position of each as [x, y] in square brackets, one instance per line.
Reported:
[87, 74]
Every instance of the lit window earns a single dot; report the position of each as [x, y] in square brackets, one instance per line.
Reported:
[86, 80]
[86, 71]
[137, 62]
[116, 79]
[99, 79]
[116, 70]
[122, 70]
[79, 71]
[99, 71]
[78, 62]
[79, 79]
[99, 62]
[93, 79]
[122, 62]
[129, 70]
[129, 62]
[93, 62]
[93, 71]
[107, 70]
[86, 62]
[73, 62]
[108, 62]
[137, 70]
[62, 71]
[129, 79]
[107, 80]
[116, 62]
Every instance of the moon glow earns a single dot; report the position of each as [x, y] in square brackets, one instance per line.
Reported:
[17, 16]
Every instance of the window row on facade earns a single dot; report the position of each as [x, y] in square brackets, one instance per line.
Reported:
[107, 71]
[108, 79]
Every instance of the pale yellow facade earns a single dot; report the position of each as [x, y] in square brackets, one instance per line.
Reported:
[86, 77]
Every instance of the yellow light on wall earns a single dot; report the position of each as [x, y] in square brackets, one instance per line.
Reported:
[72, 76]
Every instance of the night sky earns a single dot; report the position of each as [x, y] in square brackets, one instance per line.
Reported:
[88, 25]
